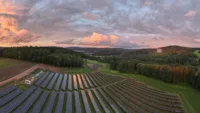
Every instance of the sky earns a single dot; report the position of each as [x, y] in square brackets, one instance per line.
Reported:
[100, 23]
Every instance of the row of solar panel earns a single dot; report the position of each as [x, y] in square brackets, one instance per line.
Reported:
[51, 80]
[34, 100]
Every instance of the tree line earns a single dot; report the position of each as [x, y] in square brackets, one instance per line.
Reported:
[48, 55]
[168, 73]
[181, 59]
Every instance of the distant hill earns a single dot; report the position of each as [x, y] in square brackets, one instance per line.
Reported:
[100, 51]
[129, 52]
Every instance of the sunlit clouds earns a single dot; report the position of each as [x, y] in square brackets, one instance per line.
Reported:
[197, 40]
[191, 13]
[99, 39]
[10, 33]
[100, 23]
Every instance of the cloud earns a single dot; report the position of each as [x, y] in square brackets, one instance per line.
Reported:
[148, 3]
[197, 40]
[191, 13]
[9, 27]
[69, 41]
[99, 39]
[75, 22]
[89, 16]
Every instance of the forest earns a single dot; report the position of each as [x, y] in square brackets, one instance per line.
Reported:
[177, 67]
[48, 55]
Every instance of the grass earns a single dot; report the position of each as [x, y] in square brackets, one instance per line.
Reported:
[197, 53]
[24, 87]
[93, 62]
[83, 69]
[190, 97]
[5, 63]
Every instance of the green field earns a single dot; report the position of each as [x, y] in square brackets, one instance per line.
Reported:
[83, 69]
[197, 53]
[5, 63]
[190, 97]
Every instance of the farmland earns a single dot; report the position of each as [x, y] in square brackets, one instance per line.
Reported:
[5, 63]
[87, 93]
[17, 66]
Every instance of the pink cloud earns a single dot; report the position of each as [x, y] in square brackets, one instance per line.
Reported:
[99, 39]
[191, 13]
[10, 33]
[148, 2]
[197, 40]
[89, 16]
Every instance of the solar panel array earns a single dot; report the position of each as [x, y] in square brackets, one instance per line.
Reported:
[63, 82]
[53, 95]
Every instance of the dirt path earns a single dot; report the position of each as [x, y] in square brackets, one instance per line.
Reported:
[28, 71]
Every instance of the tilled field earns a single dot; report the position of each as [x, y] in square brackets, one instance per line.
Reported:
[87, 93]
[9, 72]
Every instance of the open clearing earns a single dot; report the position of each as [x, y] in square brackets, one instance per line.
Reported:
[87, 93]
[10, 68]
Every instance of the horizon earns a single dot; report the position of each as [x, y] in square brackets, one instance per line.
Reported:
[102, 47]
[100, 24]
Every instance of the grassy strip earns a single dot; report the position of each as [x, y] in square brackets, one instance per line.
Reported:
[73, 103]
[64, 103]
[81, 101]
[83, 69]
[105, 102]
[55, 103]
[43, 107]
[38, 98]
[98, 103]
[90, 102]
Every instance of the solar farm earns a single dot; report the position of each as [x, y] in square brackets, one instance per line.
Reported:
[87, 93]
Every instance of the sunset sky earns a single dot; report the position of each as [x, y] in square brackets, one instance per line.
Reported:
[100, 23]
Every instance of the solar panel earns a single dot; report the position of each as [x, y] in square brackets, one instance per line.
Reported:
[91, 78]
[77, 102]
[51, 84]
[85, 102]
[79, 81]
[75, 82]
[51, 100]
[57, 87]
[7, 90]
[106, 109]
[64, 82]
[38, 106]
[59, 105]
[23, 108]
[96, 108]
[38, 82]
[69, 102]
[70, 82]
[46, 81]
[88, 80]
[84, 81]
[17, 101]
[10, 96]
[109, 101]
